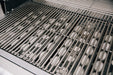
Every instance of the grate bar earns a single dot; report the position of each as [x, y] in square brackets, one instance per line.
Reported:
[20, 22]
[53, 51]
[51, 54]
[89, 41]
[64, 42]
[32, 29]
[51, 38]
[107, 53]
[110, 66]
[46, 40]
[79, 45]
[17, 15]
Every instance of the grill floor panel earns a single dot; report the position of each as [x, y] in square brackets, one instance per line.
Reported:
[59, 41]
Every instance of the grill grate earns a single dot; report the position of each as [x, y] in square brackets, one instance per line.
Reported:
[59, 41]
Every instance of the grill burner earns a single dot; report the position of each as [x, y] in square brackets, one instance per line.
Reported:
[59, 41]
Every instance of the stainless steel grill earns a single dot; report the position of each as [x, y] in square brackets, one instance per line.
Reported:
[59, 41]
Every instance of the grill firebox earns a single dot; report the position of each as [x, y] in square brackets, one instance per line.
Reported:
[59, 41]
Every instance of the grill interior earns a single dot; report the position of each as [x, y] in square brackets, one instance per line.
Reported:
[59, 41]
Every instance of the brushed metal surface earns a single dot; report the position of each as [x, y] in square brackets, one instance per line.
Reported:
[102, 6]
[18, 66]
[12, 68]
